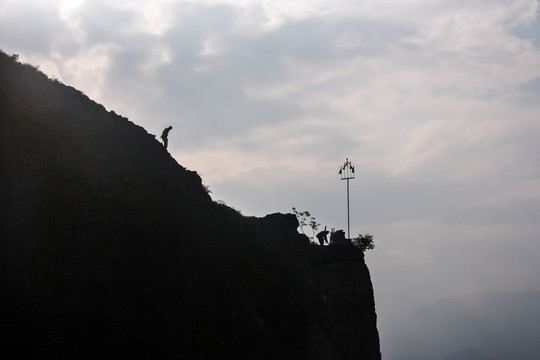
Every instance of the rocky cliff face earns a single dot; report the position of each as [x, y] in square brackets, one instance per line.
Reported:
[109, 248]
[345, 308]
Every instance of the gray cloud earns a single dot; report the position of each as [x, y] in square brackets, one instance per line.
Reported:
[530, 30]
[528, 94]
[206, 93]
[30, 29]
[101, 23]
[532, 86]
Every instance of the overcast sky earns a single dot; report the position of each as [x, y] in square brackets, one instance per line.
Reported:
[436, 103]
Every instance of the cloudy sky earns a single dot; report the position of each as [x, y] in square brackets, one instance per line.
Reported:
[436, 103]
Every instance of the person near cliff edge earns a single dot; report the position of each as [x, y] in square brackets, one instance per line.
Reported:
[164, 136]
[322, 236]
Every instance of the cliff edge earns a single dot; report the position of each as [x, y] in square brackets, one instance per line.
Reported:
[109, 248]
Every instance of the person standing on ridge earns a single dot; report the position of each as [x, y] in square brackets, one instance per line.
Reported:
[164, 136]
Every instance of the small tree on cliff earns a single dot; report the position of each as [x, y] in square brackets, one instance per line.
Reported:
[305, 219]
[363, 242]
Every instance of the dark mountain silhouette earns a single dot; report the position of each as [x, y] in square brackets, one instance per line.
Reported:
[111, 249]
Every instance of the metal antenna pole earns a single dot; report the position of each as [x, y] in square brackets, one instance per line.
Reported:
[348, 213]
[347, 173]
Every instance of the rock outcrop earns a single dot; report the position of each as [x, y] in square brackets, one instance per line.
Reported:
[336, 285]
[344, 301]
[109, 248]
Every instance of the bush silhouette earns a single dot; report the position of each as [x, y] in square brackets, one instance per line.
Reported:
[363, 242]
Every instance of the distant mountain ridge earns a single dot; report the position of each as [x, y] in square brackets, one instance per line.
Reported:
[489, 326]
[109, 248]
[466, 354]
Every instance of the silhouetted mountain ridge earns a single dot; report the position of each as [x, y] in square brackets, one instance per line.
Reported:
[110, 248]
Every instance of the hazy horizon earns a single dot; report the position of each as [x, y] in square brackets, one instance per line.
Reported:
[436, 104]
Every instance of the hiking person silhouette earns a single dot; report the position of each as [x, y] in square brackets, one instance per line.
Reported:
[164, 136]
[322, 236]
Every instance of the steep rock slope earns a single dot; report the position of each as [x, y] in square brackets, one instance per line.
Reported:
[110, 248]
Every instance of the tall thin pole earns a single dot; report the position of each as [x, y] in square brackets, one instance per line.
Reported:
[347, 173]
[348, 213]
